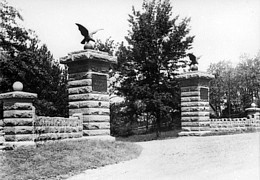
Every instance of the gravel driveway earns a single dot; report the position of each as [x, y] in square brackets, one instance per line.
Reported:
[230, 157]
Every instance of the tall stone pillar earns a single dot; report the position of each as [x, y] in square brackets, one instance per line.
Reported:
[2, 139]
[88, 89]
[195, 103]
[18, 116]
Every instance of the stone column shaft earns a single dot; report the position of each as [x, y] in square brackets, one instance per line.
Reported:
[88, 89]
[195, 103]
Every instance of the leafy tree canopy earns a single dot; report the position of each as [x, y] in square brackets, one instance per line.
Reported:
[238, 85]
[157, 41]
[24, 59]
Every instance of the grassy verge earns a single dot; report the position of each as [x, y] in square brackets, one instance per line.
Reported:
[150, 137]
[60, 160]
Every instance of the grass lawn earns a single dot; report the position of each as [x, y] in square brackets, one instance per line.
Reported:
[59, 160]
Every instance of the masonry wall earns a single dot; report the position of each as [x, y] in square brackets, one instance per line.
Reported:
[1, 132]
[54, 128]
[1, 124]
[234, 124]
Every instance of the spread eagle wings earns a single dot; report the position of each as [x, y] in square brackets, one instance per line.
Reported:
[86, 34]
[83, 30]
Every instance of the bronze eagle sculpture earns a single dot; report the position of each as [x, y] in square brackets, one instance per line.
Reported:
[193, 59]
[87, 36]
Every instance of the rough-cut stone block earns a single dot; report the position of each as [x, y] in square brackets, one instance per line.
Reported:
[96, 132]
[88, 104]
[190, 99]
[20, 137]
[96, 125]
[197, 118]
[200, 128]
[97, 111]
[80, 90]
[190, 88]
[84, 75]
[196, 124]
[18, 130]
[195, 108]
[18, 106]
[190, 94]
[96, 118]
[194, 114]
[2, 139]
[195, 75]
[94, 104]
[89, 96]
[18, 121]
[186, 129]
[18, 114]
[89, 55]
[190, 104]
[90, 111]
[17, 95]
[79, 76]
[47, 136]
[78, 83]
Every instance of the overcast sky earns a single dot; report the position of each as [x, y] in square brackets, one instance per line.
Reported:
[223, 29]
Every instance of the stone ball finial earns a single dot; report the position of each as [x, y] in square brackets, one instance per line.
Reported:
[194, 67]
[88, 46]
[253, 105]
[18, 86]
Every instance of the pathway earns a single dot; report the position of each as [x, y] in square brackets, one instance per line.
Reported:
[230, 157]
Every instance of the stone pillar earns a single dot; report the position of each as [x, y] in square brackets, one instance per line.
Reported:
[253, 112]
[2, 139]
[88, 89]
[18, 116]
[195, 103]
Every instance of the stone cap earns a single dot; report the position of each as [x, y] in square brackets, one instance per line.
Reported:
[17, 95]
[252, 109]
[88, 54]
[195, 75]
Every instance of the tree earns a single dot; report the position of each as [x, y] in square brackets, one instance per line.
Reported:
[156, 43]
[107, 46]
[238, 86]
[222, 87]
[248, 78]
[32, 64]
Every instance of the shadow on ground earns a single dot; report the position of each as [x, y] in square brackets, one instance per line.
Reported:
[150, 137]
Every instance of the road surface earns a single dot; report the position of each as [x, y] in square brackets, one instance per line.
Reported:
[229, 157]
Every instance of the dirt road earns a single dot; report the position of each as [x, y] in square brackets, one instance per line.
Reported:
[230, 157]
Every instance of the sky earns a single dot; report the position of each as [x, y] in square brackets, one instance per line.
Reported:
[223, 29]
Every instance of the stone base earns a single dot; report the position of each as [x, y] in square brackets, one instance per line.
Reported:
[194, 133]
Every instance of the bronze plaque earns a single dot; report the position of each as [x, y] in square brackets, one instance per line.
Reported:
[204, 94]
[99, 83]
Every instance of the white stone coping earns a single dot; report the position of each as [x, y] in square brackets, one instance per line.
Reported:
[253, 109]
[18, 95]
[195, 74]
[88, 54]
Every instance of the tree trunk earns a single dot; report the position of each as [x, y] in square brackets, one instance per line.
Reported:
[158, 123]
